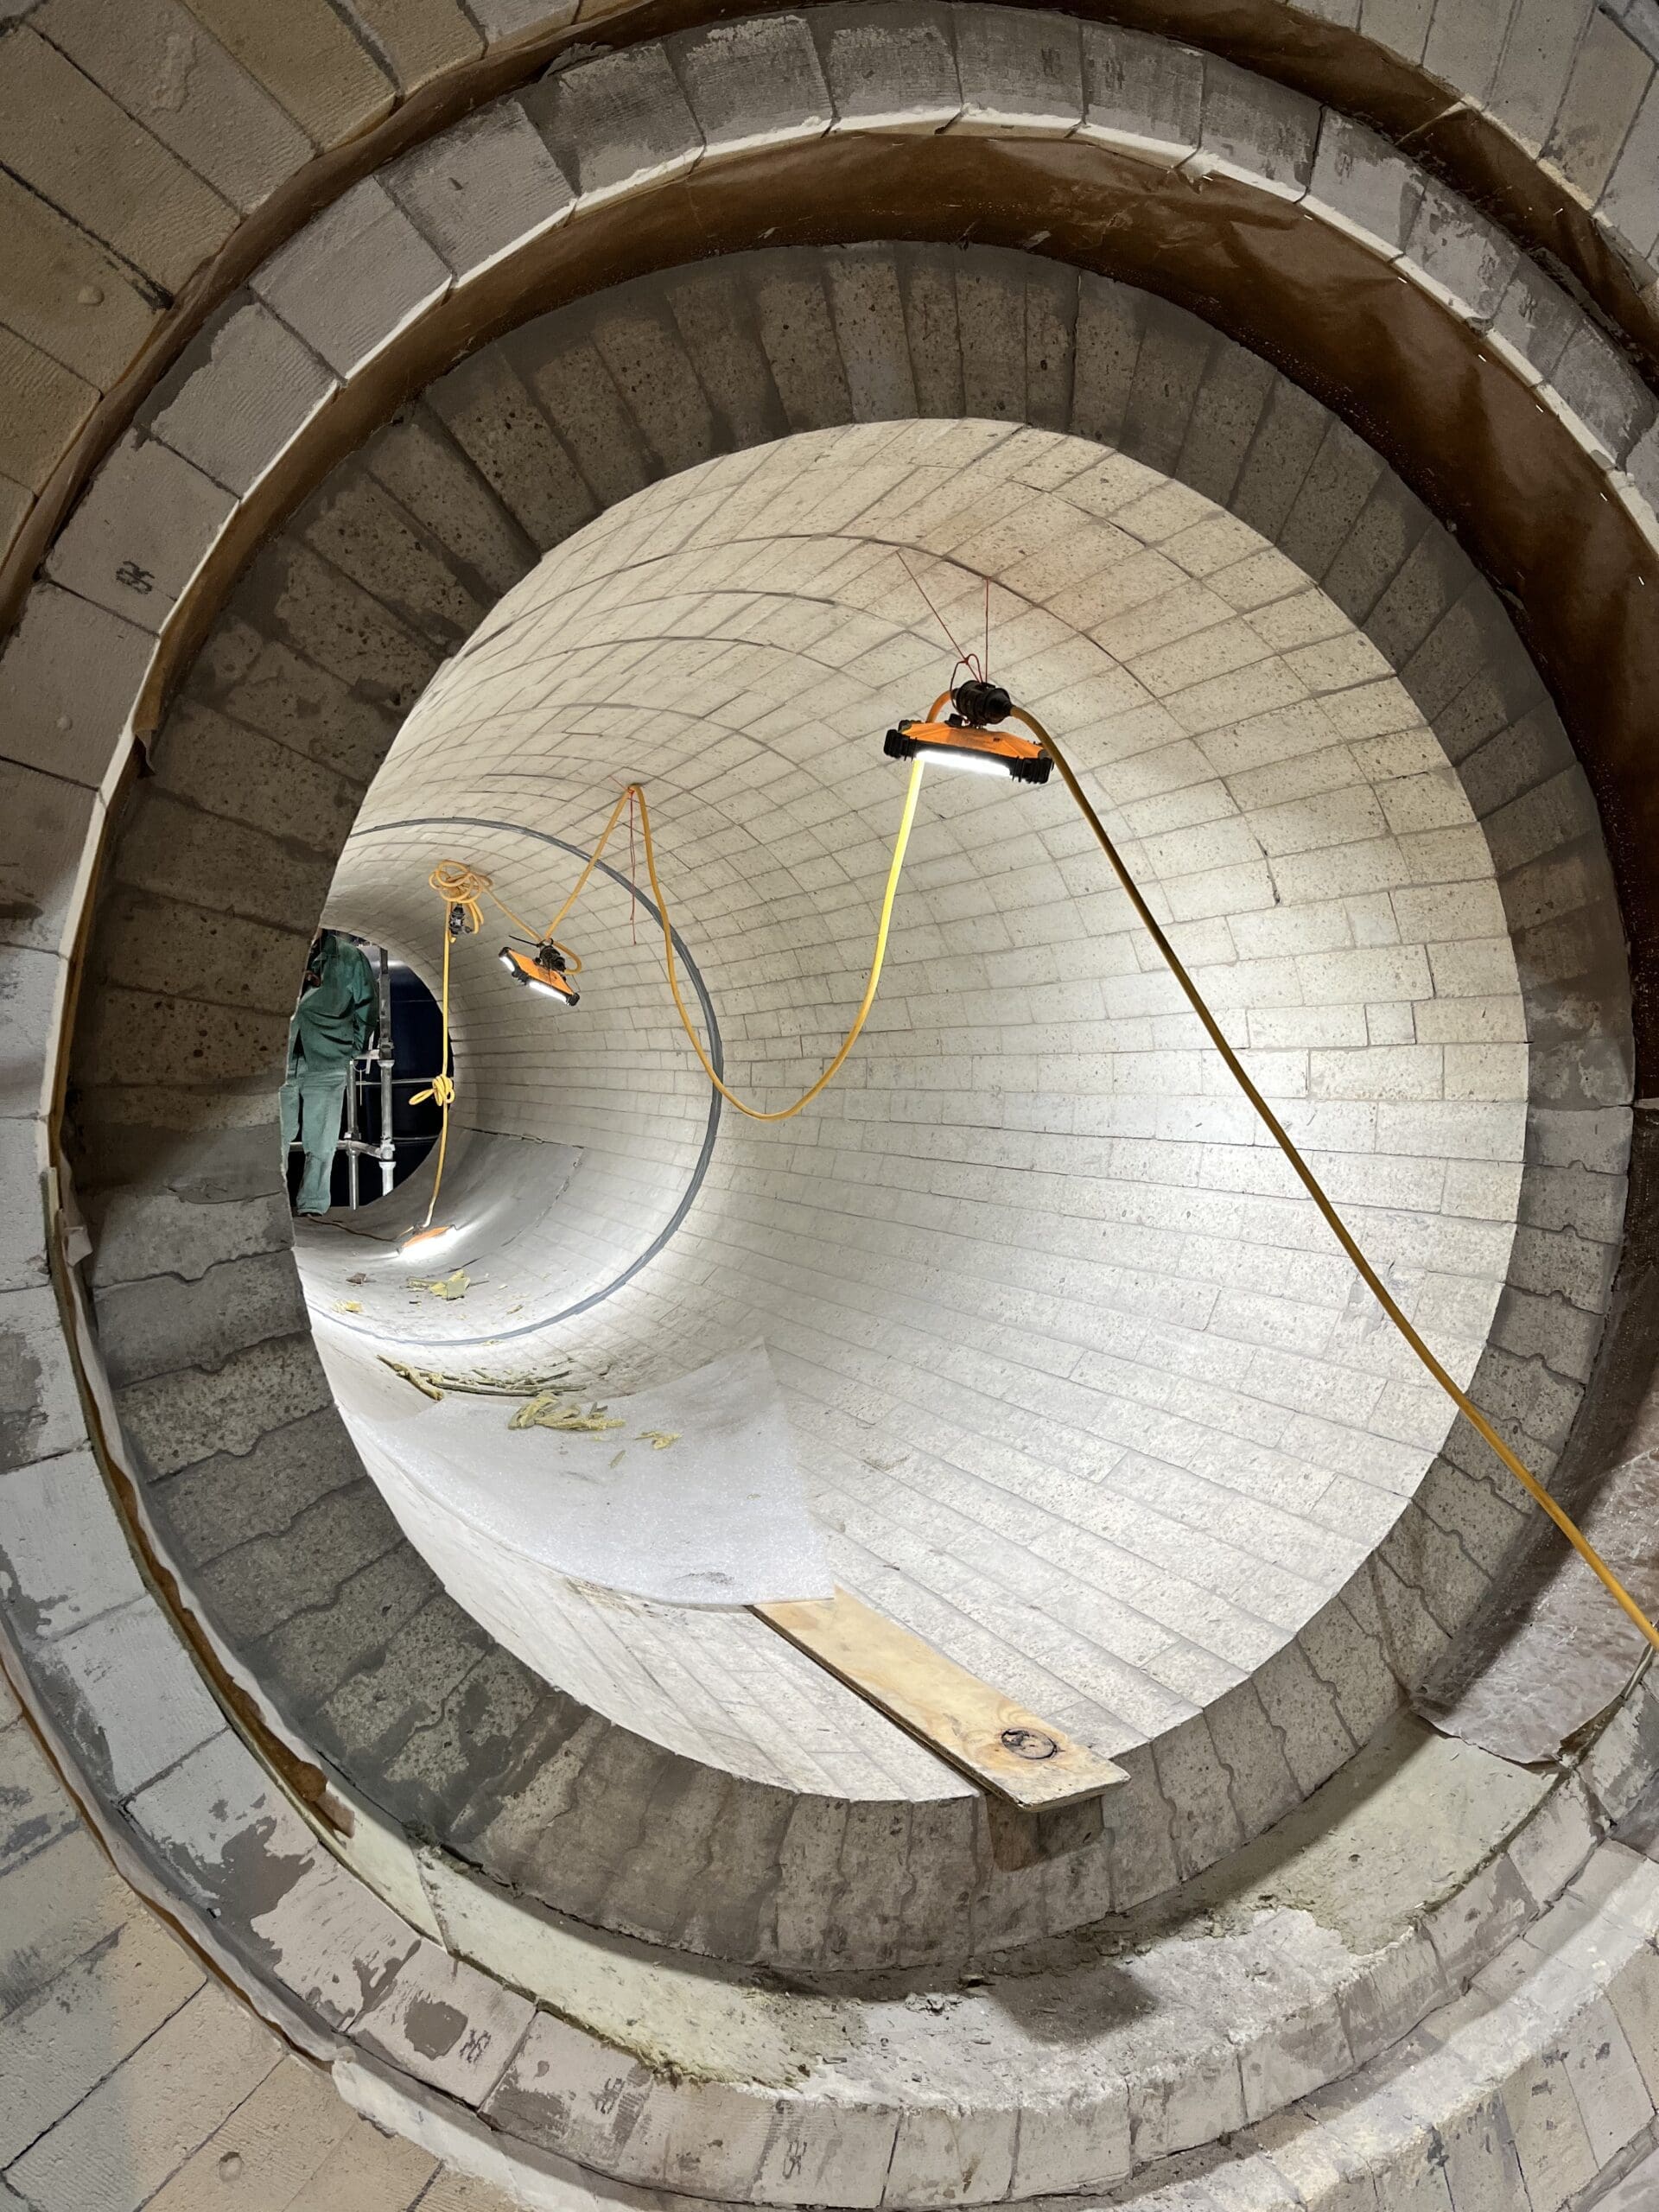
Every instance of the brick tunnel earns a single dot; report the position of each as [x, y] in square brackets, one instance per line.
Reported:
[429, 419]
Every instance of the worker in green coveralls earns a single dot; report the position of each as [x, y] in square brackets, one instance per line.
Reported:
[333, 1022]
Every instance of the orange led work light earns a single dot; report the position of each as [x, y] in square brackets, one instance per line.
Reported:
[543, 971]
[966, 740]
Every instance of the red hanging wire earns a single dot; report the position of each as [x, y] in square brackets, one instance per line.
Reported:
[970, 661]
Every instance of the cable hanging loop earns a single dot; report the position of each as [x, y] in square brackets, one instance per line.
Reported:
[572, 960]
[634, 795]
[1315, 1189]
[877, 960]
[631, 793]
[463, 888]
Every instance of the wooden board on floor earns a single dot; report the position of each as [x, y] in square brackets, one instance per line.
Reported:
[996, 1742]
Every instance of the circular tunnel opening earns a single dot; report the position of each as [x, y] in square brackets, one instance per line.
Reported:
[1076, 1391]
[1074, 1385]
[1080, 1389]
[385, 1123]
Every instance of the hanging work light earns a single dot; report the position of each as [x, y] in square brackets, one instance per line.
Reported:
[542, 970]
[968, 742]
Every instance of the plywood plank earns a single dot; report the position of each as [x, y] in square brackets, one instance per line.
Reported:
[997, 1744]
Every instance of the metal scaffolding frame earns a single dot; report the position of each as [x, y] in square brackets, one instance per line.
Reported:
[377, 1067]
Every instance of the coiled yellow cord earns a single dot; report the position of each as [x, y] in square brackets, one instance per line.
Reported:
[1311, 1183]
[461, 886]
[465, 888]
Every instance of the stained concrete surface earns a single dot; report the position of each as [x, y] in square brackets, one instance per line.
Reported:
[129, 2076]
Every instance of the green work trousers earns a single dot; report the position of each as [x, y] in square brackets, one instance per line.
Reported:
[313, 1100]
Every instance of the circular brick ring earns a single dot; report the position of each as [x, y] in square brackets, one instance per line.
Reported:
[325, 352]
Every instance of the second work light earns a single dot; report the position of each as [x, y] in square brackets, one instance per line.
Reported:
[542, 970]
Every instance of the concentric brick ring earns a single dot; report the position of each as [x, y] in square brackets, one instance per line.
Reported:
[212, 1173]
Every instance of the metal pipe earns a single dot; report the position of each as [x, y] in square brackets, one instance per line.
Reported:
[384, 1047]
[352, 1143]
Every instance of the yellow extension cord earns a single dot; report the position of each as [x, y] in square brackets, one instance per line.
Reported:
[1311, 1183]
[786, 1113]
[446, 879]
[453, 872]
[460, 885]
[463, 890]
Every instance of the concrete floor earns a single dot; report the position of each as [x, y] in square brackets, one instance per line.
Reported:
[129, 2076]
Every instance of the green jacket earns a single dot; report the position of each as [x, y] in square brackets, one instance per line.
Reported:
[337, 1016]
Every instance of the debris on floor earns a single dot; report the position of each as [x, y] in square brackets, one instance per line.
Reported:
[436, 1381]
[548, 1410]
[423, 1383]
[451, 1286]
[687, 1492]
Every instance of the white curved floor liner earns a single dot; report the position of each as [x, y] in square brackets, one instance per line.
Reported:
[717, 1517]
[502, 1193]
